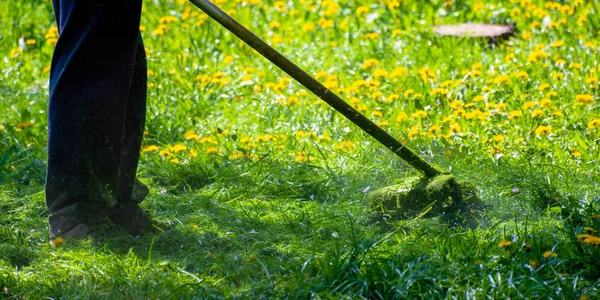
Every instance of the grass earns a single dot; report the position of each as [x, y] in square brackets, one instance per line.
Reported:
[264, 188]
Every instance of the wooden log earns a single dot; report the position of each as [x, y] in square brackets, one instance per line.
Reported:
[493, 32]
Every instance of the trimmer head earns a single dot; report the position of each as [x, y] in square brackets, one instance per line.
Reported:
[454, 201]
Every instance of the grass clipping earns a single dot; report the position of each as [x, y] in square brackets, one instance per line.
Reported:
[453, 201]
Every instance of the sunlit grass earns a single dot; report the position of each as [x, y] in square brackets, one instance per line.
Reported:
[262, 187]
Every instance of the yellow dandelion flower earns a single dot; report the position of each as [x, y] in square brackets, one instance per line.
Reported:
[545, 102]
[575, 65]
[528, 104]
[537, 55]
[543, 130]
[504, 244]
[211, 150]
[361, 10]
[537, 113]
[398, 72]
[584, 99]
[167, 20]
[514, 114]
[166, 153]
[150, 148]
[593, 124]
[178, 148]
[369, 63]
[413, 131]
[419, 114]
[402, 116]
[502, 79]
[549, 253]
[308, 27]
[57, 242]
[499, 138]
[24, 125]
[592, 240]
[521, 75]
[378, 73]
[543, 86]
[435, 129]
[345, 145]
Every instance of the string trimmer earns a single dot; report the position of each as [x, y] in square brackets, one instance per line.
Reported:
[438, 190]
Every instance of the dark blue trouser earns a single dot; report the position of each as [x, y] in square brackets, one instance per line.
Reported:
[97, 103]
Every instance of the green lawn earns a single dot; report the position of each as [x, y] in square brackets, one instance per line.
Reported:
[263, 189]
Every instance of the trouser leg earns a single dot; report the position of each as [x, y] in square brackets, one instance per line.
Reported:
[91, 107]
[135, 116]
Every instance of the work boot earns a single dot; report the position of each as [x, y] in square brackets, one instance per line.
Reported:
[132, 218]
[76, 222]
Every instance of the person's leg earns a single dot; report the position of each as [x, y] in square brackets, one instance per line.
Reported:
[90, 81]
[127, 213]
[131, 190]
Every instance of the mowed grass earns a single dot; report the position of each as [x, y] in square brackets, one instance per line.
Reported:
[262, 188]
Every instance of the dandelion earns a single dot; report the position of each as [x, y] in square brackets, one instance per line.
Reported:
[537, 113]
[502, 79]
[167, 20]
[150, 148]
[378, 73]
[425, 73]
[24, 125]
[575, 65]
[325, 24]
[393, 4]
[455, 128]
[413, 131]
[593, 124]
[589, 239]
[419, 114]
[324, 138]
[504, 244]
[521, 75]
[361, 10]
[528, 104]
[274, 25]
[166, 153]
[435, 129]
[536, 55]
[584, 99]
[402, 116]
[308, 27]
[398, 72]
[369, 63]
[279, 5]
[57, 242]
[178, 148]
[543, 86]
[549, 253]
[498, 138]
[211, 150]
[543, 130]
[345, 145]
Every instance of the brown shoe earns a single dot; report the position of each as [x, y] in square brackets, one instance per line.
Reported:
[75, 222]
[132, 218]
